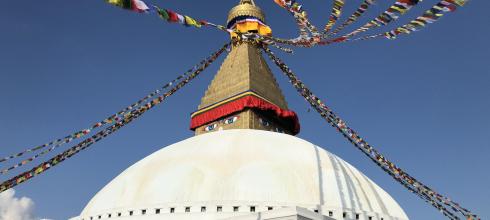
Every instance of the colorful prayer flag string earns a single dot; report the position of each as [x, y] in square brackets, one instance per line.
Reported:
[309, 35]
[134, 114]
[442, 203]
[430, 16]
[400, 7]
[165, 14]
[107, 121]
[301, 18]
[356, 15]
[174, 17]
[337, 7]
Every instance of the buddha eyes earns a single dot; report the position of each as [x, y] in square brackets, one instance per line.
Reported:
[264, 122]
[211, 127]
[231, 120]
[234, 119]
[227, 121]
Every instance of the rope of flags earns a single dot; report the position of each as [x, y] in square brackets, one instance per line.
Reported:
[119, 123]
[309, 35]
[430, 16]
[293, 8]
[400, 7]
[352, 18]
[301, 18]
[337, 7]
[82, 133]
[168, 15]
[272, 43]
[174, 17]
[445, 205]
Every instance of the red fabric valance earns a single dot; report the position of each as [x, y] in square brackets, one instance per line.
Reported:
[289, 118]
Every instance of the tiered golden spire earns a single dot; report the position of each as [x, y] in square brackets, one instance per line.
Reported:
[244, 93]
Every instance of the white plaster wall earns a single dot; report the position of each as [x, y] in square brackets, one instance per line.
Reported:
[243, 168]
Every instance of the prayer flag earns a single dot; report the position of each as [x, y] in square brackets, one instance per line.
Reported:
[134, 5]
[173, 17]
[163, 14]
[191, 22]
[139, 6]
[181, 18]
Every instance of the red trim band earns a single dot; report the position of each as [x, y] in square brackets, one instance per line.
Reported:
[289, 118]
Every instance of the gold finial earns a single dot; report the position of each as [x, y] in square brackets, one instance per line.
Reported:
[251, 2]
[246, 8]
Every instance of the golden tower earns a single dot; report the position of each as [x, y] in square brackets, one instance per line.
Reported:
[244, 94]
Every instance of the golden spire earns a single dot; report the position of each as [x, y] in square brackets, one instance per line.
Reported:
[244, 93]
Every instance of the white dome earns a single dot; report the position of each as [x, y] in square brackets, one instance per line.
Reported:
[237, 171]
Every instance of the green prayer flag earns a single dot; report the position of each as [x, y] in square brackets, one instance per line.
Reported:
[163, 14]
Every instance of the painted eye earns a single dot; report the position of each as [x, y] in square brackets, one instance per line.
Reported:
[264, 122]
[231, 120]
[211, 127]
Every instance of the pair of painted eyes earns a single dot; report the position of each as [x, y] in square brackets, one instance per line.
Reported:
[227, 121]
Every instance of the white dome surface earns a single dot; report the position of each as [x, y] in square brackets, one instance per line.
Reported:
[241, 168]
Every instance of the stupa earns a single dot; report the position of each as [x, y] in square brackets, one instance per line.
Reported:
[244, 162]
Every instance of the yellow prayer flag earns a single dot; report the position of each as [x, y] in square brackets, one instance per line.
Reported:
[191, 21]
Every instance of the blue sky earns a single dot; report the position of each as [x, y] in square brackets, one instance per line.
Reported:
[422, 100]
